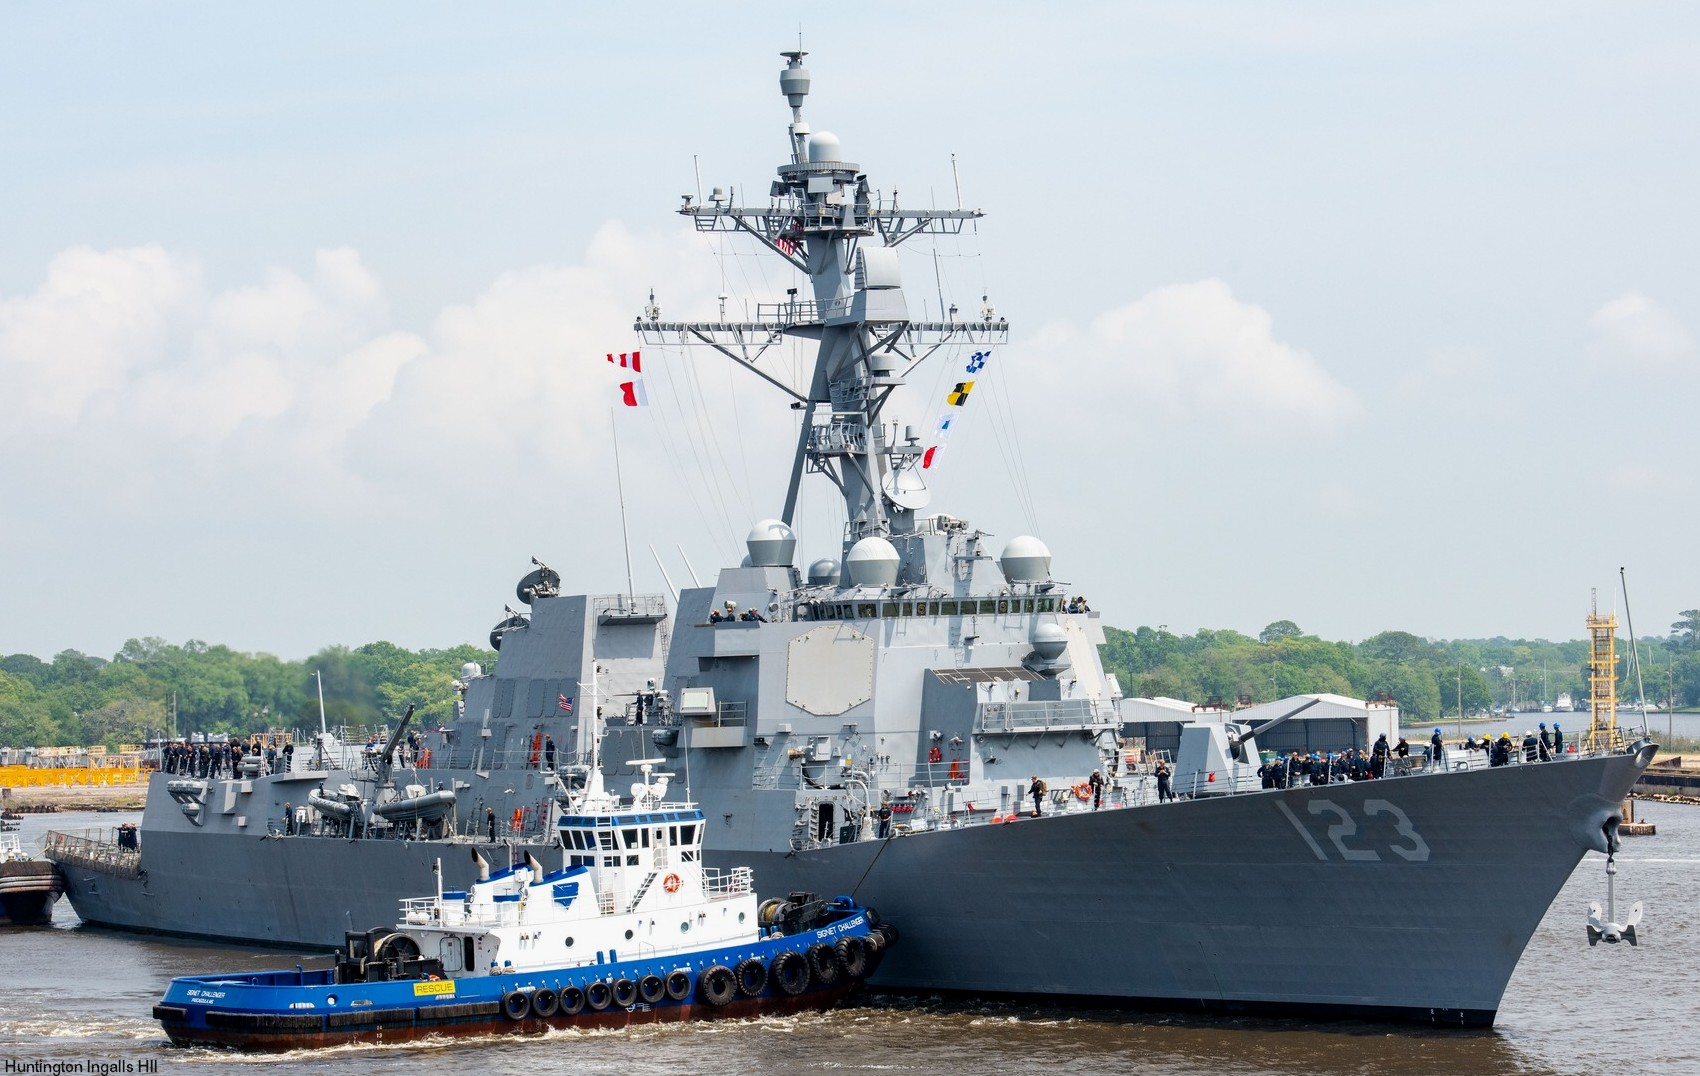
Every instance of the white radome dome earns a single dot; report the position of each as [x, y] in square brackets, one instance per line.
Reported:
[1026, 560]
[771, 544]
[872, 562]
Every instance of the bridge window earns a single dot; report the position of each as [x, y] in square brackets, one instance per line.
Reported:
[947, 609]
[866, 610]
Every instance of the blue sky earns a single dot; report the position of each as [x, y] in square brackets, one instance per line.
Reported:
[1365, 316]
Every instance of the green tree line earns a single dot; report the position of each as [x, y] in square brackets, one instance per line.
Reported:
[78, 699]
[1427, 677]
[151, 687]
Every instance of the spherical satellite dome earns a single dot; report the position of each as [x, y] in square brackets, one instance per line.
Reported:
[823, 146]
[1049, 641]
[771, 544]
[1025, 560]
[823, 573]
[872, 563]
[471, 670]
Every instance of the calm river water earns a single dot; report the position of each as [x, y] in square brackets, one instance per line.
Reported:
[81, 994]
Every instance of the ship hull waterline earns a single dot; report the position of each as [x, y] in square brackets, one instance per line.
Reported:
[611, 1019]
[1405, 899]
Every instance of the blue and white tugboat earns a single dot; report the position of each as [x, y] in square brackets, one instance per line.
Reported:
[632, 928]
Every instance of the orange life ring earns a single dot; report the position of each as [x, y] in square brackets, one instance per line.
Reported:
[1083, 791]
[670, 883]
[935, 755]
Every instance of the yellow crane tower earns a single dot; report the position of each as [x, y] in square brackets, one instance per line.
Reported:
[1602, 681]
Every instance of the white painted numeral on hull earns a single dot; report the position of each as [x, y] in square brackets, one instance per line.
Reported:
[1418, 852]
[1412, 849]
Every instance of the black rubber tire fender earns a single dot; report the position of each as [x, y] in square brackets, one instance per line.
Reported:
[752, 977]
[874, 958]
[717, 985]
[651, 989]
[678, 984]
[625, 993]
[545, 1002]
[572, 1000]
[790, 973]
[597, 995]
[823, 962]
[516, 1005]
[853, 954]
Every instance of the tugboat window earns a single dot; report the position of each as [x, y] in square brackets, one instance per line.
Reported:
[947, 609]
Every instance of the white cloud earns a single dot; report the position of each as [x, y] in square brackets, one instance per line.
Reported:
[1633, 328]
[97, 318]
[298, 388]
[1193, 352]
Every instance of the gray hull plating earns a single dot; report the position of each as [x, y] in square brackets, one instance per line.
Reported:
[1225, 904]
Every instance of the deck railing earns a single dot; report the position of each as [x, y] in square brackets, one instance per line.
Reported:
[102, 856]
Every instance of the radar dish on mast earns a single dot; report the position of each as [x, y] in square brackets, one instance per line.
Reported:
[544, 582]
[905, 489]
[512, 623]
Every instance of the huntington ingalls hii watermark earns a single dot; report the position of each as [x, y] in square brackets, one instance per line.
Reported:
[140, 1066]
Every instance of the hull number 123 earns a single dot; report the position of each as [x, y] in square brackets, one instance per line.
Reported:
[1405, 842]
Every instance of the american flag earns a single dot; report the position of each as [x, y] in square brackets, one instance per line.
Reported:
[788, 244]
[566, 704]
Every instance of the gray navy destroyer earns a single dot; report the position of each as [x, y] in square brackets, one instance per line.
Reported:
[871, 725]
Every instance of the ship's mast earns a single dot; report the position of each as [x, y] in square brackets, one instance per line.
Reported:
[823, 218]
